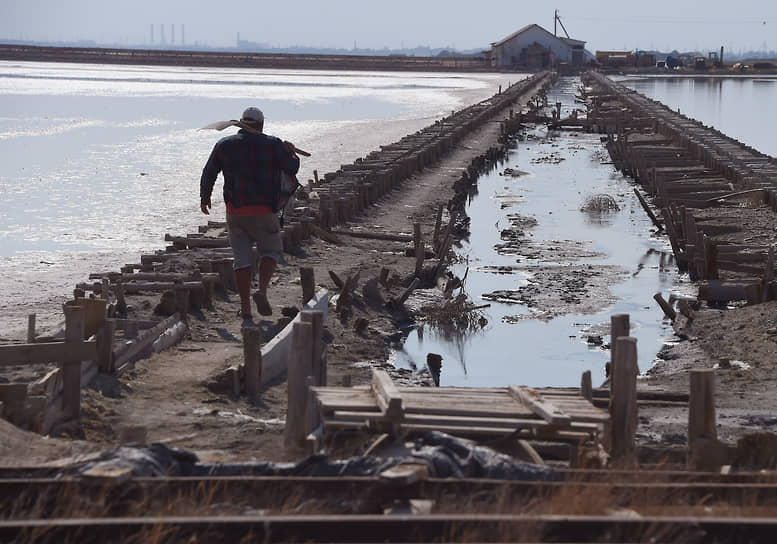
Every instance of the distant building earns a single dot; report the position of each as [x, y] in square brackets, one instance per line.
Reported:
[534, 47]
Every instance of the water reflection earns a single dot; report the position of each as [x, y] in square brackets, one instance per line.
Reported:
[742, 107]
[544, 209]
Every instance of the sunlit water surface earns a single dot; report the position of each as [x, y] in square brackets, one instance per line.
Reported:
[98, 162]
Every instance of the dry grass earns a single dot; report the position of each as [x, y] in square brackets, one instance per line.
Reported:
[456, 315]
[599, 204]
[574, 498]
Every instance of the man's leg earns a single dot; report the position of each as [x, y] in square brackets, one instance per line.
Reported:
[266, 270]
[243, 280]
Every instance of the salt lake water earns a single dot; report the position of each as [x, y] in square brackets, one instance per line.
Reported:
[98, 162]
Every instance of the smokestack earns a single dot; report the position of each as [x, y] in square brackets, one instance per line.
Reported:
[183, 29]
[172, 34]
[152, 33]
[162, 34]
[721, 55]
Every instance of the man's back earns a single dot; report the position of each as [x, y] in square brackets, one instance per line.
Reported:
[251, 164]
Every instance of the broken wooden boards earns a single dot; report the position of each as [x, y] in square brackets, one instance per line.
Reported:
[553, 414]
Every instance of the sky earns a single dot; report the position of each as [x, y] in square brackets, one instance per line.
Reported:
[606, 25]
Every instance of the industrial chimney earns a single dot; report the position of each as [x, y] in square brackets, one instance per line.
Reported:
[172, 34]
[183, 29]
[162, 34]
[152, 33]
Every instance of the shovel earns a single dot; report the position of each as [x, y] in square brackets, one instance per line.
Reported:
[221, 125]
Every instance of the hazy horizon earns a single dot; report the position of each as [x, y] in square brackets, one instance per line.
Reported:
[348, 24]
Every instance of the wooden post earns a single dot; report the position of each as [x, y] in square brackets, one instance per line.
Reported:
[623, 400]
[71, 372]
[619, 326]
[252, 358]
[308, 281]
[299, 368]
[586, 388]
[318, 363]
[665, 306]
[121, 303]
[31, 329]
[105, 288]
[420, 254]
[105, 346]
[182, 303]
[701, 406]
[310, 409]
[437, 223]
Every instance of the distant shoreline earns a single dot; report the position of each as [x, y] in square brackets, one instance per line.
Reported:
[236, 59]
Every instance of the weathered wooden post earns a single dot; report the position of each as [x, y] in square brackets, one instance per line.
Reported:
[252, 360]
[420, 250]
[105, 288]
[31, 329]
[619, 326]
[71, 371]
[299, 368]
[318, 361]
[701, 406]
[105, 346]
[437, 224]
[623, 398]
[182, 301]
[586, 388]
[308, 281]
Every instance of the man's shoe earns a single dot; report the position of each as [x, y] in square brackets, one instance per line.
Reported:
[262, 305]
[248, 320]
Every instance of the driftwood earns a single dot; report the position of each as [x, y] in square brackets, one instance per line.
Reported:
[324, 234]
[733, 195]
[649, 212]
[374, 235]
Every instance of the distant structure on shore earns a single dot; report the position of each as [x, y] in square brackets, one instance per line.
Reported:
[534, 48]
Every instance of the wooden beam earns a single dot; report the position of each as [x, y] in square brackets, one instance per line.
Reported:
[47, 352]
[537, 404]
[387, 395]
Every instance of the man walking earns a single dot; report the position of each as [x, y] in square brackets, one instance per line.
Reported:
[251, 163]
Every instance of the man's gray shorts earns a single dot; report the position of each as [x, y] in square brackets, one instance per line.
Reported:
[245, 230]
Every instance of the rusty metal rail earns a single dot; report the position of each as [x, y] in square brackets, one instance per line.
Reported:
[397, 528]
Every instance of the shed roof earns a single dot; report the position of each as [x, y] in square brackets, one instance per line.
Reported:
[568, 41]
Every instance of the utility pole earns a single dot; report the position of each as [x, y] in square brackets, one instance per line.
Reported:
[556, 19]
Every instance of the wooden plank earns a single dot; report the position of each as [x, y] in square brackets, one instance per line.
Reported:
[388, 397]
[48, 352]
[275, 352]
[124, 357]
[539, 406]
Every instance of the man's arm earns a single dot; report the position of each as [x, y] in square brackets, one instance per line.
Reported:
[208, 179]
[288, 158]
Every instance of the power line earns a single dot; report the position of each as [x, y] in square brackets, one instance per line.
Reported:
[672, 20]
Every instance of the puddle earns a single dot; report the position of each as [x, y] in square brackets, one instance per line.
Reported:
[539, 250]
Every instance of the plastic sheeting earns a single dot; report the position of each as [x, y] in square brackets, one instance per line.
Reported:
[445, 457]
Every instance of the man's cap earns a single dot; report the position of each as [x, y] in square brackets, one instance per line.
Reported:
[253, 115]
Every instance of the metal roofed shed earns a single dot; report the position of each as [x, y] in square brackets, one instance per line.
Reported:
[534, 47]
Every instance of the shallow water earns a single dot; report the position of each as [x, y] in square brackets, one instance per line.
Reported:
[743, 107]
[555, 352]
[99, 162]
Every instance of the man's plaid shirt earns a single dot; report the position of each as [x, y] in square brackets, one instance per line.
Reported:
[251, 164]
